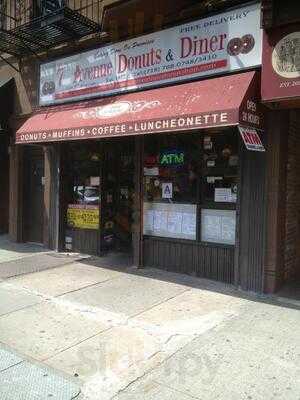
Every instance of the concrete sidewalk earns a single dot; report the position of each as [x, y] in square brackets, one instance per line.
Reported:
[10, 251]
[124, 333]
[21, 379]
[23, 258]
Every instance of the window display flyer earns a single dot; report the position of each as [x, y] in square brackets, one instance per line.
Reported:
[207, 143]
[83, 216]
[218, 226]
[170, 220]
[95, 180]
[225, 195]
[154, 171]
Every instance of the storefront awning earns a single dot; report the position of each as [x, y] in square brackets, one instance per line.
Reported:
[225, 101]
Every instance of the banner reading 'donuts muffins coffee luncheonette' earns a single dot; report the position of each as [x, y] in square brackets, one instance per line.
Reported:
[219, 44]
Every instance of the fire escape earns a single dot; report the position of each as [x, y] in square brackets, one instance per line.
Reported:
[33, 26]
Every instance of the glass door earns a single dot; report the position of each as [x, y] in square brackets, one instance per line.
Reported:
[117, 196]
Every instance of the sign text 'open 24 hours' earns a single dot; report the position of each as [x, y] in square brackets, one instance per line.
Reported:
[222, 43]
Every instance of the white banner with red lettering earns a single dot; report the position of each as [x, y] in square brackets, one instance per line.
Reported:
[219, 44]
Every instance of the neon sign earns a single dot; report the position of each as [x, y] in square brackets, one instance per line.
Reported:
[171, 157]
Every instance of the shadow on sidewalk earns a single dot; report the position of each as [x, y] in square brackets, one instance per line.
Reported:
[19, 248]
[123, 263]
[28, 258]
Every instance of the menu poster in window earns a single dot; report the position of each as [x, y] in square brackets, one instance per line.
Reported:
[218, 226]
[211, 228]
[188, 224]
[228, 229]
[160, 220]
[175, 222]
[170, 220]
[148, 221]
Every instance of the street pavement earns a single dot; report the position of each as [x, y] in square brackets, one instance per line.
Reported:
[123, 333]
[21, 379]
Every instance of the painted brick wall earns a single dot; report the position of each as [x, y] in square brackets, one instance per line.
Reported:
[292, 240]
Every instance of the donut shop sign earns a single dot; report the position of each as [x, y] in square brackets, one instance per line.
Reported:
[219, 44]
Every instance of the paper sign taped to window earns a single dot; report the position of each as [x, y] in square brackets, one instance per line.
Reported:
[154, 171]
[95, 180]
[251, 139]
[167, 190]
[83, 216]
[223, 195]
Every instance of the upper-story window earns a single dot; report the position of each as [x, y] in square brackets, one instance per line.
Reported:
[279, 12]
[45, 7]
[286, 11]
[3, 6]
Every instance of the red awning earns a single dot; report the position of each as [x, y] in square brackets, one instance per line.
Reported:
[224, 101]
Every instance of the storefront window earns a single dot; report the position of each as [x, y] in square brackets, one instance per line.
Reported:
[171, 186]
[171, 170]
[219, 188]
[219, 169]
[218, 226]
[191, 186]
[286, 12]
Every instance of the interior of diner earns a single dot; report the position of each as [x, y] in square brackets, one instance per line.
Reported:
[188, 186]
[98, 196]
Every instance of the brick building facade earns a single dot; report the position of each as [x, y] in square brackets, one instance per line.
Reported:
[281, 94]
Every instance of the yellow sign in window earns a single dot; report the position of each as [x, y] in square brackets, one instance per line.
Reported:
[83, 216]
